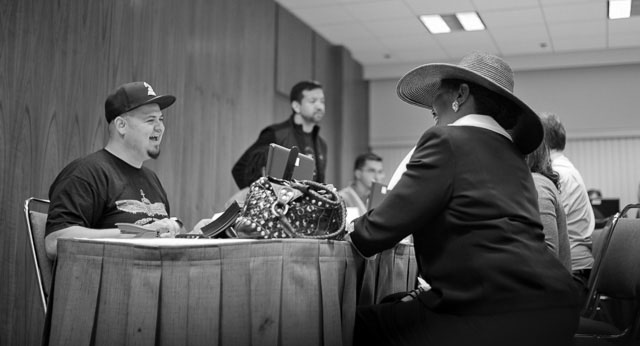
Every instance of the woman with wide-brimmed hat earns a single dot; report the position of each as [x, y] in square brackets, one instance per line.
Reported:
[469, 201]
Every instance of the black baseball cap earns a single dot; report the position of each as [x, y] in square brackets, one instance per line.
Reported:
[130, 96]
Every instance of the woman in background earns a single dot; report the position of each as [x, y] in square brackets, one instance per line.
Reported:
[554, 221]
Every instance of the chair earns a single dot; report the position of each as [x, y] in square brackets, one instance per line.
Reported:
[35, 212]
[614, 285]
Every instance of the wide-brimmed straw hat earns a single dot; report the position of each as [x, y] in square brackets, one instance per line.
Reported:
[420, 86]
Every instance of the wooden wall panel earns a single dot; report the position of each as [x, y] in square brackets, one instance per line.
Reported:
[281, 109]
[325, 70]
[355, 114]
[60, 59]
[294, 59]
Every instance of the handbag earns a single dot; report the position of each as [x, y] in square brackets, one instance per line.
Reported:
[279, 208]
[283, 208]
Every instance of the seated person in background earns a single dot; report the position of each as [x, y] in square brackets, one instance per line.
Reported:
[554, 221]
[366, 169]
[93, 193]
[595, 198]
[301, 130]
[575, 201]
[469, 200]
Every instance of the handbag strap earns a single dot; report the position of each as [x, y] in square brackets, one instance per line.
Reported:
[291, 163]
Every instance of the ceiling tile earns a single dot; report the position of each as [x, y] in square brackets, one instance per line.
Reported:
[564, 2]
[459, 44]
[624, 32]
[511, 18]
[388, 31]
[519, 33]
[324, 15]
[372, 57]
[624, 25]
[593, 28]
[575, 12]
[295, 4]
[485, 5]
[579, 43]
[523, 48]
[421, 7]
[421, 56]
[338, 33]
[360, 44]
[380, 10]
[409, 42]
[624, 40]
[390, 28]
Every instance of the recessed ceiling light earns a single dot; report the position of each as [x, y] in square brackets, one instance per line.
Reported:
[470, 21]
[435, 24]
[619, 9]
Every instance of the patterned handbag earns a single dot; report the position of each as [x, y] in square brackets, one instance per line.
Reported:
[277, 208]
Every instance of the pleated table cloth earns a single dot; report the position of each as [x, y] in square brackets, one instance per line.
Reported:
[216, 292]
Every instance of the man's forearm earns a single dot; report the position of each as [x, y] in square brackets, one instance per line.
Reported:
[51, 241]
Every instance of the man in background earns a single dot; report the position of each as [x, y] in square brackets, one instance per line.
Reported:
[575, 200]
[93, 193]
[367, 169]
[301, 130]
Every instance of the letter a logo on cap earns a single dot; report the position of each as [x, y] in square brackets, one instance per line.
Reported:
[149, 89]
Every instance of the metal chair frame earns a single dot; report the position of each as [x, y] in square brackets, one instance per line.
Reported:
[36, 261]
[591, 306]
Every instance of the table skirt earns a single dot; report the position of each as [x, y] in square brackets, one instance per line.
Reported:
[267, 292]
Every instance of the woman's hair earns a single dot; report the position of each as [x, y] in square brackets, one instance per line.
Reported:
[488, 102]
[540, 162]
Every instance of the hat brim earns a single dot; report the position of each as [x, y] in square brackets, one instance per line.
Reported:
[420, 85]
[163, 101]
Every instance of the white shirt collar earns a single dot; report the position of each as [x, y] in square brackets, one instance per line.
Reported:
[554, 154]
[482, 121]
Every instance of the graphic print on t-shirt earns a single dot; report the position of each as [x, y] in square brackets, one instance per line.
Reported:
[143, 206]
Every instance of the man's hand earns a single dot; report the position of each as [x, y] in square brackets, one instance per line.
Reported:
[167, 228]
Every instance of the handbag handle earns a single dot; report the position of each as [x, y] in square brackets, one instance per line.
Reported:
[312, 187]
[291, 163]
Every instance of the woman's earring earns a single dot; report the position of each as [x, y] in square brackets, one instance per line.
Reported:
[455, 106]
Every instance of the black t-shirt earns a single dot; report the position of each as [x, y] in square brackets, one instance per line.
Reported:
[308, 148]
[100, 189]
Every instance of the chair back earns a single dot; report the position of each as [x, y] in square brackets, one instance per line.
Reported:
[35, 212]
[620, 266]
[616, 271]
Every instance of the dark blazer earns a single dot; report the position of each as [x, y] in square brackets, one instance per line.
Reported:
[469, 201]
[248, 168]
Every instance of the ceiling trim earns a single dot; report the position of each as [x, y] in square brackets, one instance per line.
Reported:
[525, 63]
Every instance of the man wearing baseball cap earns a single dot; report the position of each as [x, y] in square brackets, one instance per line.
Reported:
[93, 193]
